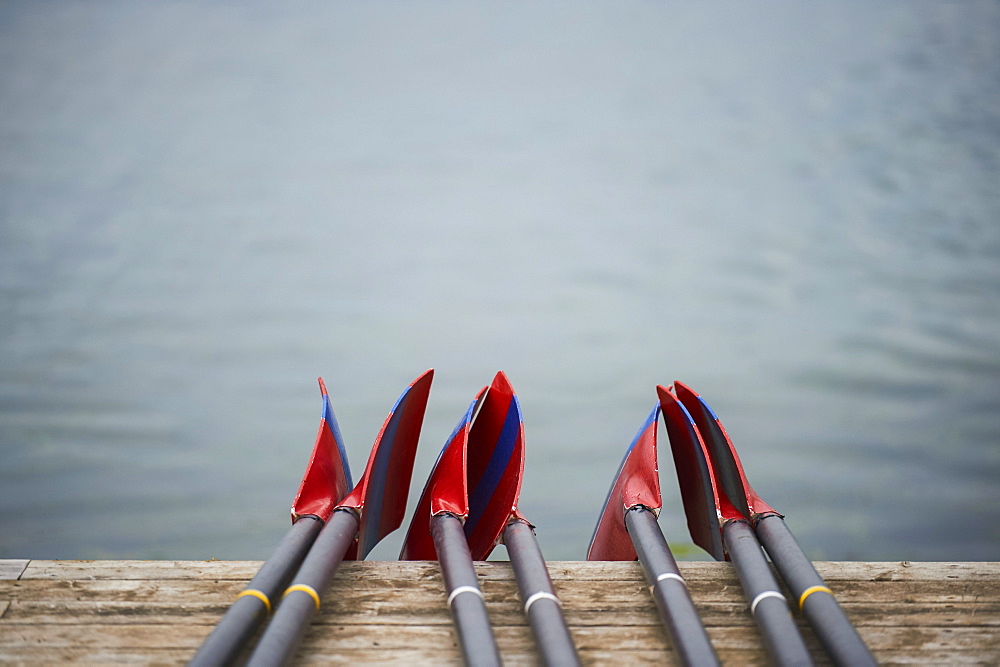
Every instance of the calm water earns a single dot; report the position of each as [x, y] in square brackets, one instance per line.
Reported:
[204, 207]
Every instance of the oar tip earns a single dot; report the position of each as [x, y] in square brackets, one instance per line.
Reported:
[668, 400]
[423, 381]
[681, 389]
[502, 383]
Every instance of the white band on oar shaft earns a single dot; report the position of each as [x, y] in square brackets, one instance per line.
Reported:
[765, 594]
[671, 575]
[463, 589]
[540, 595]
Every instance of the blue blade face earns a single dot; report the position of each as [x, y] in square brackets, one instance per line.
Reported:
[375, 495]
[495, 466]
[380, 497]
[331, 423]
[484, 489]
[327, 479]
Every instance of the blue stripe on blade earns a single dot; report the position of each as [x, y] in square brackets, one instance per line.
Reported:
[486, 486]
[375, 493]
[331, 423]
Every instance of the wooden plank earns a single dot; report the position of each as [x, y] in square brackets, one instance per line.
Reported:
[160, 611]
[908, 571]
[593, 595]
[45, 655]
[140, 570]
[12, 568]
[419, 610]
[512, 639]
[866, 602]
[831, 571]
[569, 570]
[411, 656]
[244, 570]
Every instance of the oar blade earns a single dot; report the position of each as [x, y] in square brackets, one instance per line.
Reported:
[326, 482]
[445, 492]
[694, 475]
[327, 479]
[380, 497]
[637, 482]
[726, 462]
[495, 466]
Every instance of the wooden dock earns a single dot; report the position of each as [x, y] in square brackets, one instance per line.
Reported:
[158, 612]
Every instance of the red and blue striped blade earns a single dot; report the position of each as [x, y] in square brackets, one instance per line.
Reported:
[694, 476]
[730, 477]
[380, 496]
[477, 476]
[637, 482]
[495, 466]
[446, 490]
[327, 480]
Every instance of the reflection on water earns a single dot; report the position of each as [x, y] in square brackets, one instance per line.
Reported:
[202, 209]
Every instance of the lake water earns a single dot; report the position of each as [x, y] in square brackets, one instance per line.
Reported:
[793, 208]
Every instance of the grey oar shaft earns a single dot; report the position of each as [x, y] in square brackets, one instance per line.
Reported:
[840, 639]
[468, 607]
[253, 605]
[541, 605]
[684, 627]
[767, 604]
[302, 598]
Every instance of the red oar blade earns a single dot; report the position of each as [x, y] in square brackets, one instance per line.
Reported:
[637, 482]
[495, 466]
[380, 497]
[477, 476]
[728, 469]
[328, 478]
[446, 490]
[694, 475]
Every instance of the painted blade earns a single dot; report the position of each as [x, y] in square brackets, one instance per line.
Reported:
[327, 480]
[380, 496]
[446, 490]
[694, 476]
[728, 469]
[495, 466]
[637, 482]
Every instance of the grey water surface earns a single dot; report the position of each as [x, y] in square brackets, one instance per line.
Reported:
[792, 207]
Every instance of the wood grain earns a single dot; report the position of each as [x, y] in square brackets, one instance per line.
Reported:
[103, 612]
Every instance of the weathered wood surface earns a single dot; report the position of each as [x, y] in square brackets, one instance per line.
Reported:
[158, 612]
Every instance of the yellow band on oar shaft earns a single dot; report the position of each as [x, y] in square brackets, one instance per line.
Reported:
[809, 591]
[253, 592]
[305, 589]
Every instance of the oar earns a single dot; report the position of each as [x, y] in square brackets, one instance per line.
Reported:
[441, 526]
[720, 528]
[371, 511]
[541, 604]
[475, 485]
[627, 529]
[326, 482]
[812, 596]
[494, 475]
